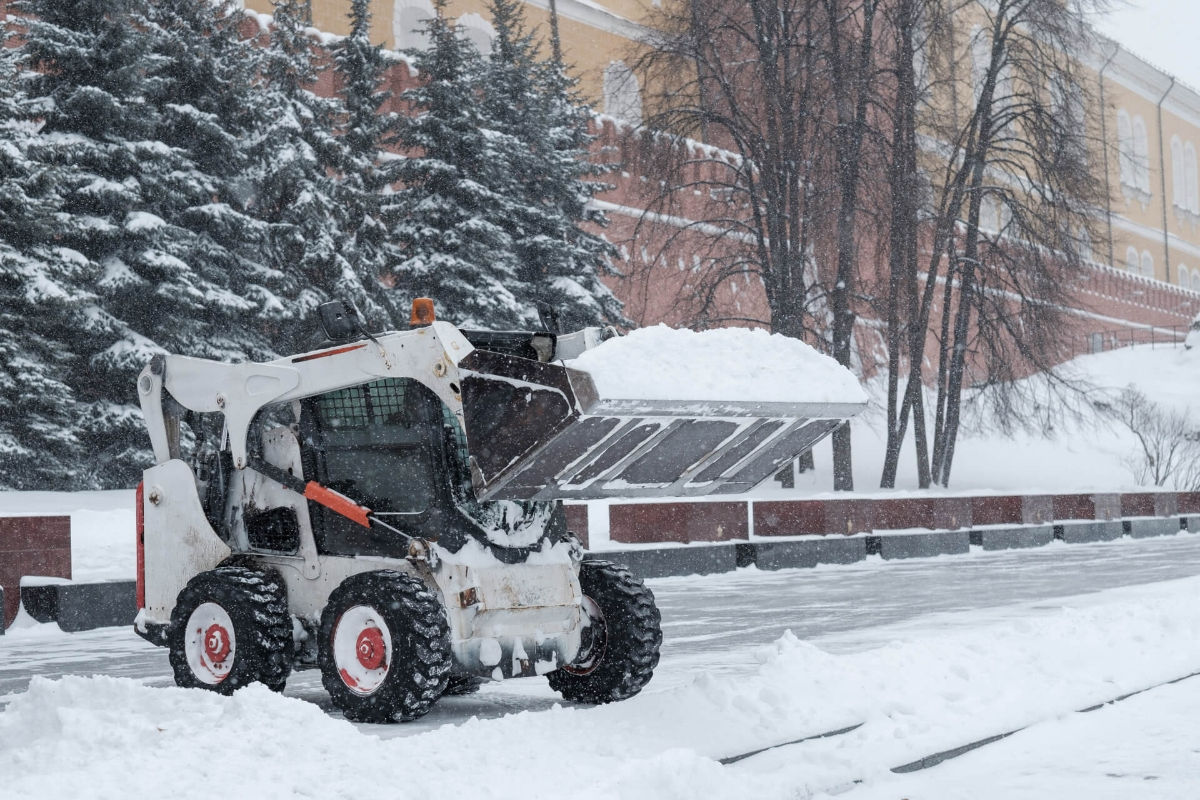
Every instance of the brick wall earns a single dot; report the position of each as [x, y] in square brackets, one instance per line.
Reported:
[32, 546]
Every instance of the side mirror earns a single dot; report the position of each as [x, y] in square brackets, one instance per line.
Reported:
[338, 321]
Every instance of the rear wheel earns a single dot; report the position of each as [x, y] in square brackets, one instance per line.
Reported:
[620, 647]
[230, 627]
[384, 647]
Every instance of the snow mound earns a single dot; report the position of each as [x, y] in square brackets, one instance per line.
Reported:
[729, 364]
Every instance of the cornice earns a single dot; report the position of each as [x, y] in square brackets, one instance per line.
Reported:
[596, 16]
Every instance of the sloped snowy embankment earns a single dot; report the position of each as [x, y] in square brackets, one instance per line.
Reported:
[920, 688]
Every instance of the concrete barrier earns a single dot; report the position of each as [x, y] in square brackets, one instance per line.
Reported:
[1076, 532]
[919, 545]
[668, 561]
[809, 552]
[1145, 527]
[1012, 538]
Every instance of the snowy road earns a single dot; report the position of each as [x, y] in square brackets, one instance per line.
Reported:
[712, 624]
[920, 656]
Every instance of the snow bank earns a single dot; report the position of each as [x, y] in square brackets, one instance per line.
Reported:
[731, 364]
[917, 688]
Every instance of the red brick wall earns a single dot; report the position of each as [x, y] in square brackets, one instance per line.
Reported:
[32, 546]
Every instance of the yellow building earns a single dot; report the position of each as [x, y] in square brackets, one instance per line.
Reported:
[1152, 124]
[598, 36]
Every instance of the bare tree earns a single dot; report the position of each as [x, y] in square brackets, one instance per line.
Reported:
[1017, 201]
[1167, 449]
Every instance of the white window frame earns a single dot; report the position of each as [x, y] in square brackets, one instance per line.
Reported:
[1147, 264]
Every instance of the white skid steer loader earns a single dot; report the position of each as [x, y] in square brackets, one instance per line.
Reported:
[387, 509]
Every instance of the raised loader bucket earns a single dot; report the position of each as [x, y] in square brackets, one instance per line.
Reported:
[541, 431]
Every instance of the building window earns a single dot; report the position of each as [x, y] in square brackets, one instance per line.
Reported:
[1184, 276]
[622, 93]
[1141, 155]
[1191, 194]
[408, 23]
[478, 31]
[1125, 147]
[1196, 280]
[1133, 152]
[1147, 264]
[1178, 184]
[1132, 262]
[981, 59]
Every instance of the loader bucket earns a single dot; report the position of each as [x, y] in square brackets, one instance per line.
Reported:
[538, 431]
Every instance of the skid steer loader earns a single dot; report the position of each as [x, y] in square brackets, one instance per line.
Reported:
[387, 508]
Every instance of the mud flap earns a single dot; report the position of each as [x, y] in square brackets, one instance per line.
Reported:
[540, 431]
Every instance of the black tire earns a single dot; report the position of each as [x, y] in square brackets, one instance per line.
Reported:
[406, 682]
[257, 647]
[622, 651]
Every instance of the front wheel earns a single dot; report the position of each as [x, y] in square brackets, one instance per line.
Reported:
[621, 644]
[384, 647]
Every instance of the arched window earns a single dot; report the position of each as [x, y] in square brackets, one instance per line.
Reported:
[1178, 183]
[1125, 148]
[622, 94]
[1085, 245]
[1132, 262]
[1196, 280]
[1189, 178]
[408, 21]
[1141, 155]
[1184, 276]
[1147, 264]
[989, 213]
[981, 59]
[478, 32]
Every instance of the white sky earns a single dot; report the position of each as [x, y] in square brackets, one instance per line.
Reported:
[1164, 32]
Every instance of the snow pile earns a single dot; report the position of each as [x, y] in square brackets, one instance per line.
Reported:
[917, 688]
[730, 364]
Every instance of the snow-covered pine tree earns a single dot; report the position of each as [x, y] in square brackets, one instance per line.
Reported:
[125, 205]
[40, 293]
[531, 98]
[297, 157]
[204, 87]
[365, 172]
[448, 217]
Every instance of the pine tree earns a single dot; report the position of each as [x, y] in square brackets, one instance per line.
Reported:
[449, 217]
[365, 174]
[40, 291]
[533, 100]
[136, 211]
[297, 156]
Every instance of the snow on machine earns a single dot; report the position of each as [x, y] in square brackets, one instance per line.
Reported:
[387, 508]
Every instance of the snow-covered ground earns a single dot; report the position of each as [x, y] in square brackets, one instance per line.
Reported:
[927, 681]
